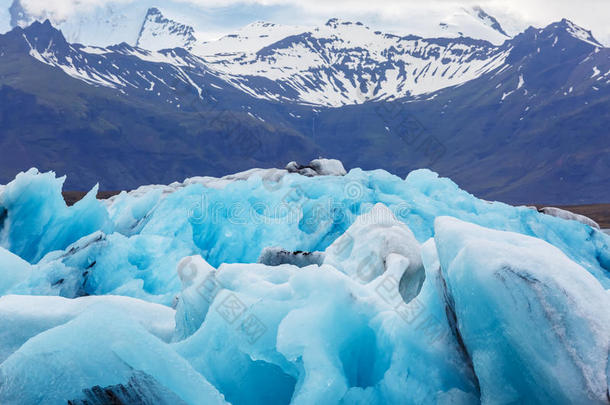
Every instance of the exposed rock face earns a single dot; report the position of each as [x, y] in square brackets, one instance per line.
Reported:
[318, 167]
[273, 256]
[142, 389]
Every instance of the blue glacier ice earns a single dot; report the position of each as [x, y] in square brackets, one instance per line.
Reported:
[275, 286]
[541, 331]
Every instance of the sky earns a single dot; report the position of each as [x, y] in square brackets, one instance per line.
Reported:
[214, 18]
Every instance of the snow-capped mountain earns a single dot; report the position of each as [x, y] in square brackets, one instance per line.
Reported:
[464, 22]
[486, 105]
[120, 21]
[339, 63]
[489, 20]
[158, 32]
[344, 63]
[121, 67]
[472, 22]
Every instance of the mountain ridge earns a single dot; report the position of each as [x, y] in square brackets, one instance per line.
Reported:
[341, 64]
[533, 129]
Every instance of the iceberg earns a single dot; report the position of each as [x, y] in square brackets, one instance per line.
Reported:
[101, 347]
[13, 270]
[541, 331]
[277, 286]
[36, 219]
[24, 317]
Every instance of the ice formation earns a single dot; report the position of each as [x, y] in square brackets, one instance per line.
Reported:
[558, 212]
[274, 287]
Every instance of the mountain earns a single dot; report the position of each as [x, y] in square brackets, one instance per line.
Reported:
[473, 22]
[489, 20]
[348, 63]
[158, 32]
[108, 130]
[533, 130]
[523, 121]
[117, 21]
[340, 63]
[337, 63]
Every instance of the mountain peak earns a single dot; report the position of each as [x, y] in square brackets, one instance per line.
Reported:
[154, 11]
[38, 38]
[261, 24]
[562, 29]
[43, 31]
[337, 22]
[158, 32]
[46, 24]
[579, 32]
[471, 22]
[489, 20]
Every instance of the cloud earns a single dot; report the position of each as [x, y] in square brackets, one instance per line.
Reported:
[59, 10]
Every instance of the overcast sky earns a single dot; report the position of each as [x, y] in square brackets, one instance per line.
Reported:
[223, 16]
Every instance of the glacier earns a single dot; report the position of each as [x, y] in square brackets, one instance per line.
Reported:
[304, 285]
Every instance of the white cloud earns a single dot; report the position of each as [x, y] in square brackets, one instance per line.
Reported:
[59, 10]
[4, 18]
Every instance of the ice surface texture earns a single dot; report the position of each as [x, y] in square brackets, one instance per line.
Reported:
[370, 289]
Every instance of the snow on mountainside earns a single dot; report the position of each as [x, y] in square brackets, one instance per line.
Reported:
[119, 21]
[109, 67]
[344, 62]
[312, 73]
[339, 63]
[474, 23]
[580, 33]
[158, 32]
[336, 64]
[249, 39]
[489, 20]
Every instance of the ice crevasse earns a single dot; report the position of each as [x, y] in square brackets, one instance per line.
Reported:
[273, 287]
